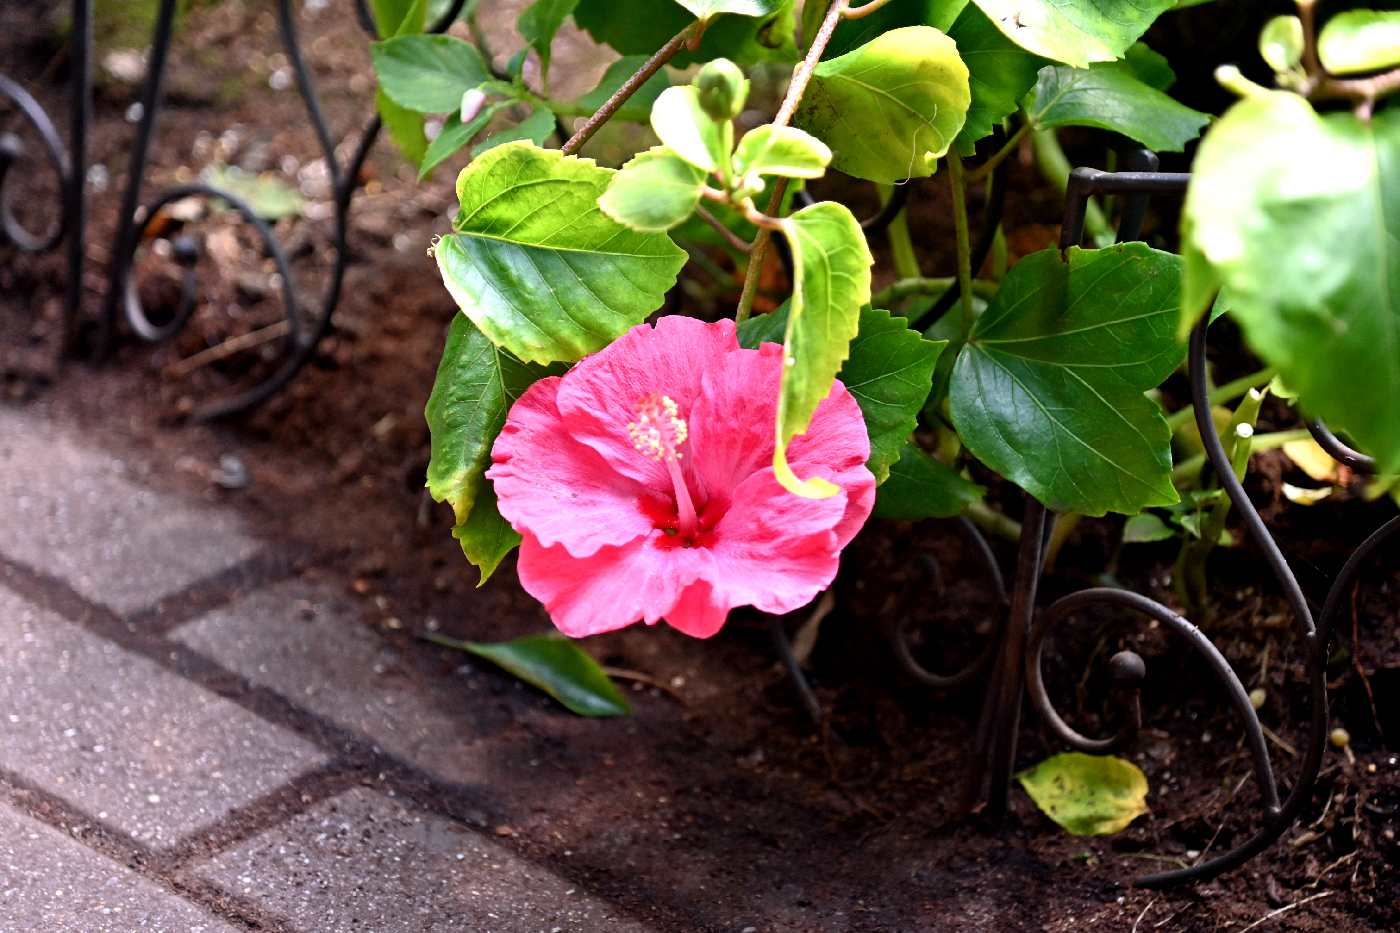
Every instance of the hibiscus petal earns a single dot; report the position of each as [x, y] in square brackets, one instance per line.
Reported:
[773, 549]
[732, 423]
[614, 586]
[599, 396]
[837, 440]
[557, 489]
[699, 612]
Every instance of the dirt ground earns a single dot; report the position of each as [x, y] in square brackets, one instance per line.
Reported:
[865, 809]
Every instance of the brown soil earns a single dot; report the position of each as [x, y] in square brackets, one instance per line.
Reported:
[719, 802]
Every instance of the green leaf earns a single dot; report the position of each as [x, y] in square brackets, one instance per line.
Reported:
[1360, 40]
[781, 150]
[831, 281]
[477, 383]
[892, 107]
[453, 136]
[641, 27]
[269, 197]
[1000, 73]
[890, 372]
[921, 487]
[688, 131]
[428, 74]
[539, 22]
[764, 328]
[535, 129]
[399, 17]
[1151, 68]
[1049, 389]
[1111, 96]
[1087, 795]
[655, 191]
[1075, 32]
[1146, 527]
[851, 34]
[405, 127]
[557, 666]
[1298, 215]
[486, 537]
[1281, 43]
[708, 9]
[539, 267]
[638, 106]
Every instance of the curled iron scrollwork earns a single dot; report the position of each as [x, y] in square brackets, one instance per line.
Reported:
[1020, 639]
[301, 332]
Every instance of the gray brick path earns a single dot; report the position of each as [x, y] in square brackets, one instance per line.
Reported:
[140, 749]
[70, 511]
[50, 883]
[208, 786]
[308, 643]
[361, 862]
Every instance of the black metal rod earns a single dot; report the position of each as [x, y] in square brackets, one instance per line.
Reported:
[793, 669]
[1085, 182]
[307, 340]
[10, 227]
[899, 194]
[1006, 719]
[899, 640]
[1135, 207]
[305, 85]
[75, 186]
[1215, 451]
[1339, 451]
[127, 234]
[153, 333]
[1277, 817]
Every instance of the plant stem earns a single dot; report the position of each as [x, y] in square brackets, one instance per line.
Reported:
[864, 10]
[992, 521]
[629, 87]
[794, 95]
[798, 86]
[1064, 527]
[1191, 586]
[1271, 441]
[760, 246]
[998, 157]
[1311, 64]
[955, 170]
[1223, 394]
[901, 246]
[730, 236]
[1054, 165]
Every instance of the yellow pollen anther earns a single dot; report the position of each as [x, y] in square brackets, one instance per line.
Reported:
[659, 429]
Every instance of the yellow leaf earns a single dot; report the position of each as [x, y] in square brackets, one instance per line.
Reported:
[1088, 795]
[1312, 460]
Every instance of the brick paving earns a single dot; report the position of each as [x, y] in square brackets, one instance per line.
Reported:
[72, 512]
[198, 780]
[49, 882]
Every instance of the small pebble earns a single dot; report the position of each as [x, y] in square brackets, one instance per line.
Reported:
[1257, 697]
[1340, 738]
[1371, 769]
[231, 474]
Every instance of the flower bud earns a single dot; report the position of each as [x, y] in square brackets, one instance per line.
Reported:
[723, 89]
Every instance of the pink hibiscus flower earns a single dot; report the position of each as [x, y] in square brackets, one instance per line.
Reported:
[642, 483]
